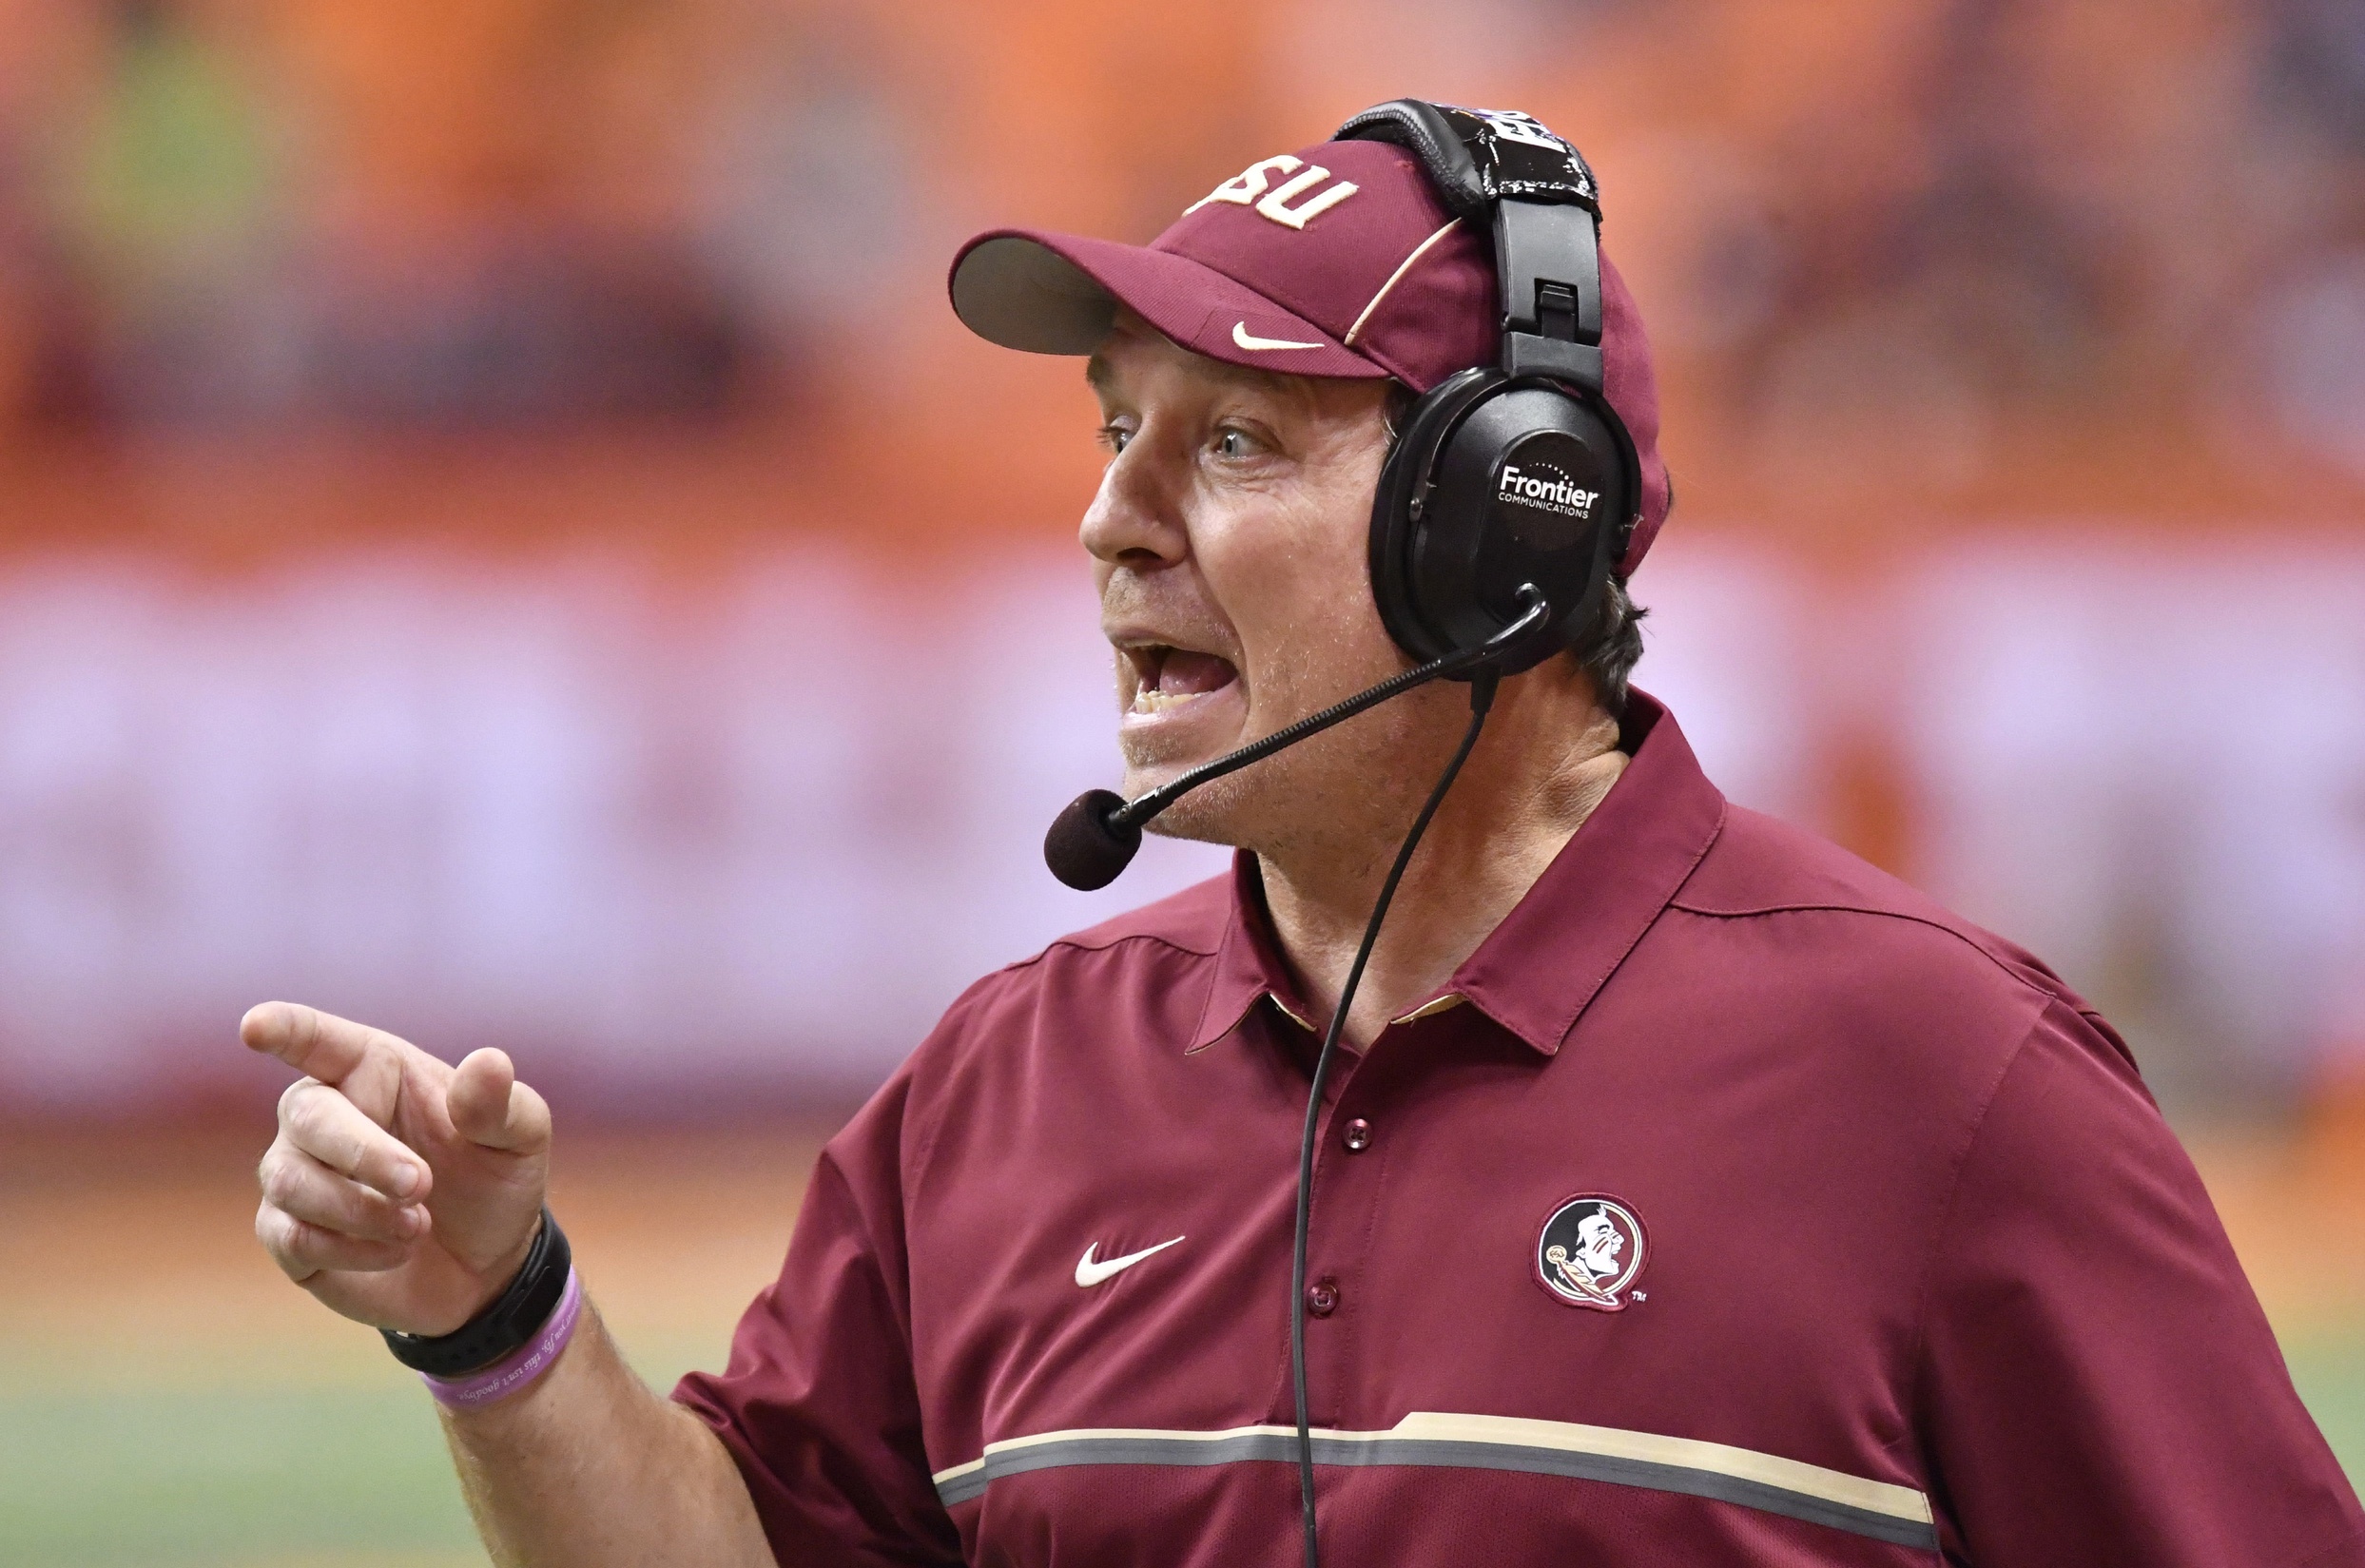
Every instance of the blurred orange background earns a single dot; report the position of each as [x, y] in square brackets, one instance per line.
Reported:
[501, 534]
[502, 530]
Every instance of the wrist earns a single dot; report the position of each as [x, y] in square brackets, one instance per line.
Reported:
[510, 1323]
[496, 1281]
[526, 1365]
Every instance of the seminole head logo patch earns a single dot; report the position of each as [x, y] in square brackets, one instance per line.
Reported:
[1590, 1250]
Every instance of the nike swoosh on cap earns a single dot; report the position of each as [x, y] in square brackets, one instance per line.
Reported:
[1246, 340]
[1089, 1273]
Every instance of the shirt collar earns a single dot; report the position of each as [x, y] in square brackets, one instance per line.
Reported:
[1537, 970]
[1247, 961]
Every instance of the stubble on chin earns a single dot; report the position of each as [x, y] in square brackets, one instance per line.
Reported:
[1309, 798]
[1321, 799]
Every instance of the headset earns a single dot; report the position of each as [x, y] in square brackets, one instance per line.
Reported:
[1520, 473]
[1501, 513]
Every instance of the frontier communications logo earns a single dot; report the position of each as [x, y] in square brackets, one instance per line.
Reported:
[1545, 487]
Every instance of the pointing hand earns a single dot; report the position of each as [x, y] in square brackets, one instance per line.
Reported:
[401, 1192]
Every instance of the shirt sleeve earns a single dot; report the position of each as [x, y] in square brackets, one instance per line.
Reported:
[818, 1403]
[2098, 1387]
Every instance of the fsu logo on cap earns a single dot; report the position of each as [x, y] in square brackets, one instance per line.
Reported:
[1589, 1251]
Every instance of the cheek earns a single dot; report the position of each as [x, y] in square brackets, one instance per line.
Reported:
[1294, 582]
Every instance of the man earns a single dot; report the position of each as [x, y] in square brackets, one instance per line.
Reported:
[1905, 1261]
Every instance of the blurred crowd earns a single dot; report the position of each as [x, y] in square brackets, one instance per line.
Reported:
[232, 215]
[541, 420]
[1962, 223]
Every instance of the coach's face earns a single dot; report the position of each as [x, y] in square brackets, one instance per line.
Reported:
[1230, 538]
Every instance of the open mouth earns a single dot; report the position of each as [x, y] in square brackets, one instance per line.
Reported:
[1166, 676]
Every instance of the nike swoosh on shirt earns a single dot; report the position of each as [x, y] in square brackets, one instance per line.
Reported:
[1089, 1272]
[1246, 340]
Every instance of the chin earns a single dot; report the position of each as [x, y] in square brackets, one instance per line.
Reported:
[1203, 815]
[1206, 816]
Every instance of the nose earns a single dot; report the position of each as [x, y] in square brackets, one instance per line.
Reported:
[1135, 520]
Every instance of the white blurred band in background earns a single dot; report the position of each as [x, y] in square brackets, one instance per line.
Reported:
[684, 842]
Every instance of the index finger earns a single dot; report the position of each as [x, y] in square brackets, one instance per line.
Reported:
[319, 1045]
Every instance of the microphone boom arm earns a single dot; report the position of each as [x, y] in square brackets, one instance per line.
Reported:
[1138, 810]
[1094, 840]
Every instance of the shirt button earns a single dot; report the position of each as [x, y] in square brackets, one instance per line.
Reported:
[1322, 1298]
[1358, 1136]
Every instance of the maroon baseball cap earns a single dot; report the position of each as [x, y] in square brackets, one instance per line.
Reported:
[1338, 260]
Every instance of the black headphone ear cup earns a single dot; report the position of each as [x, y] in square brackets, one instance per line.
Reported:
[1497, 483]
[1400, 504]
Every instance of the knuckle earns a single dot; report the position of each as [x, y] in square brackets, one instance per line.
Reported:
[315, 1122]
[278, 1232]
[280, 1181]
[368, 1154]
[356, 1211]
[301, 1107]
[277, 1229]
[306, 1243]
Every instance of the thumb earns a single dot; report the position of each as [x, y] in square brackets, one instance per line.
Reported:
[491, 1108]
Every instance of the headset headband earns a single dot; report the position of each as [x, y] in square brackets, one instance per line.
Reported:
[1537, 193]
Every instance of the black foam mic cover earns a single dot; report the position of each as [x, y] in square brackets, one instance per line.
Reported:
[1083, 849]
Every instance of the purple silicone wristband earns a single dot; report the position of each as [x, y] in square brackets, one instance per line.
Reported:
[513, 1371]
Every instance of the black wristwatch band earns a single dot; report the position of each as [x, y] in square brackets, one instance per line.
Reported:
[515, 1316]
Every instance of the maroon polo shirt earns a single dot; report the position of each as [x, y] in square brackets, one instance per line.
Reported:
[1734, 1203]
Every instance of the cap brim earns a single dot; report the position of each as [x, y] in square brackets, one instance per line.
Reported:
[1046, 293]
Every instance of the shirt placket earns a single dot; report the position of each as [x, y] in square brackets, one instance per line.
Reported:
[1367, 1092]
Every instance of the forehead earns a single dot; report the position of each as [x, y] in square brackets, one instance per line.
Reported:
[1134, 352]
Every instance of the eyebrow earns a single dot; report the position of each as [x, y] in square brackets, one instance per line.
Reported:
[1101, 377]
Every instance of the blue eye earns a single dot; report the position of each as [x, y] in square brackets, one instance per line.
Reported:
[1231, 443]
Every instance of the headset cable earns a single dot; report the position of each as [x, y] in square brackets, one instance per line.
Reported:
[1482, 685]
